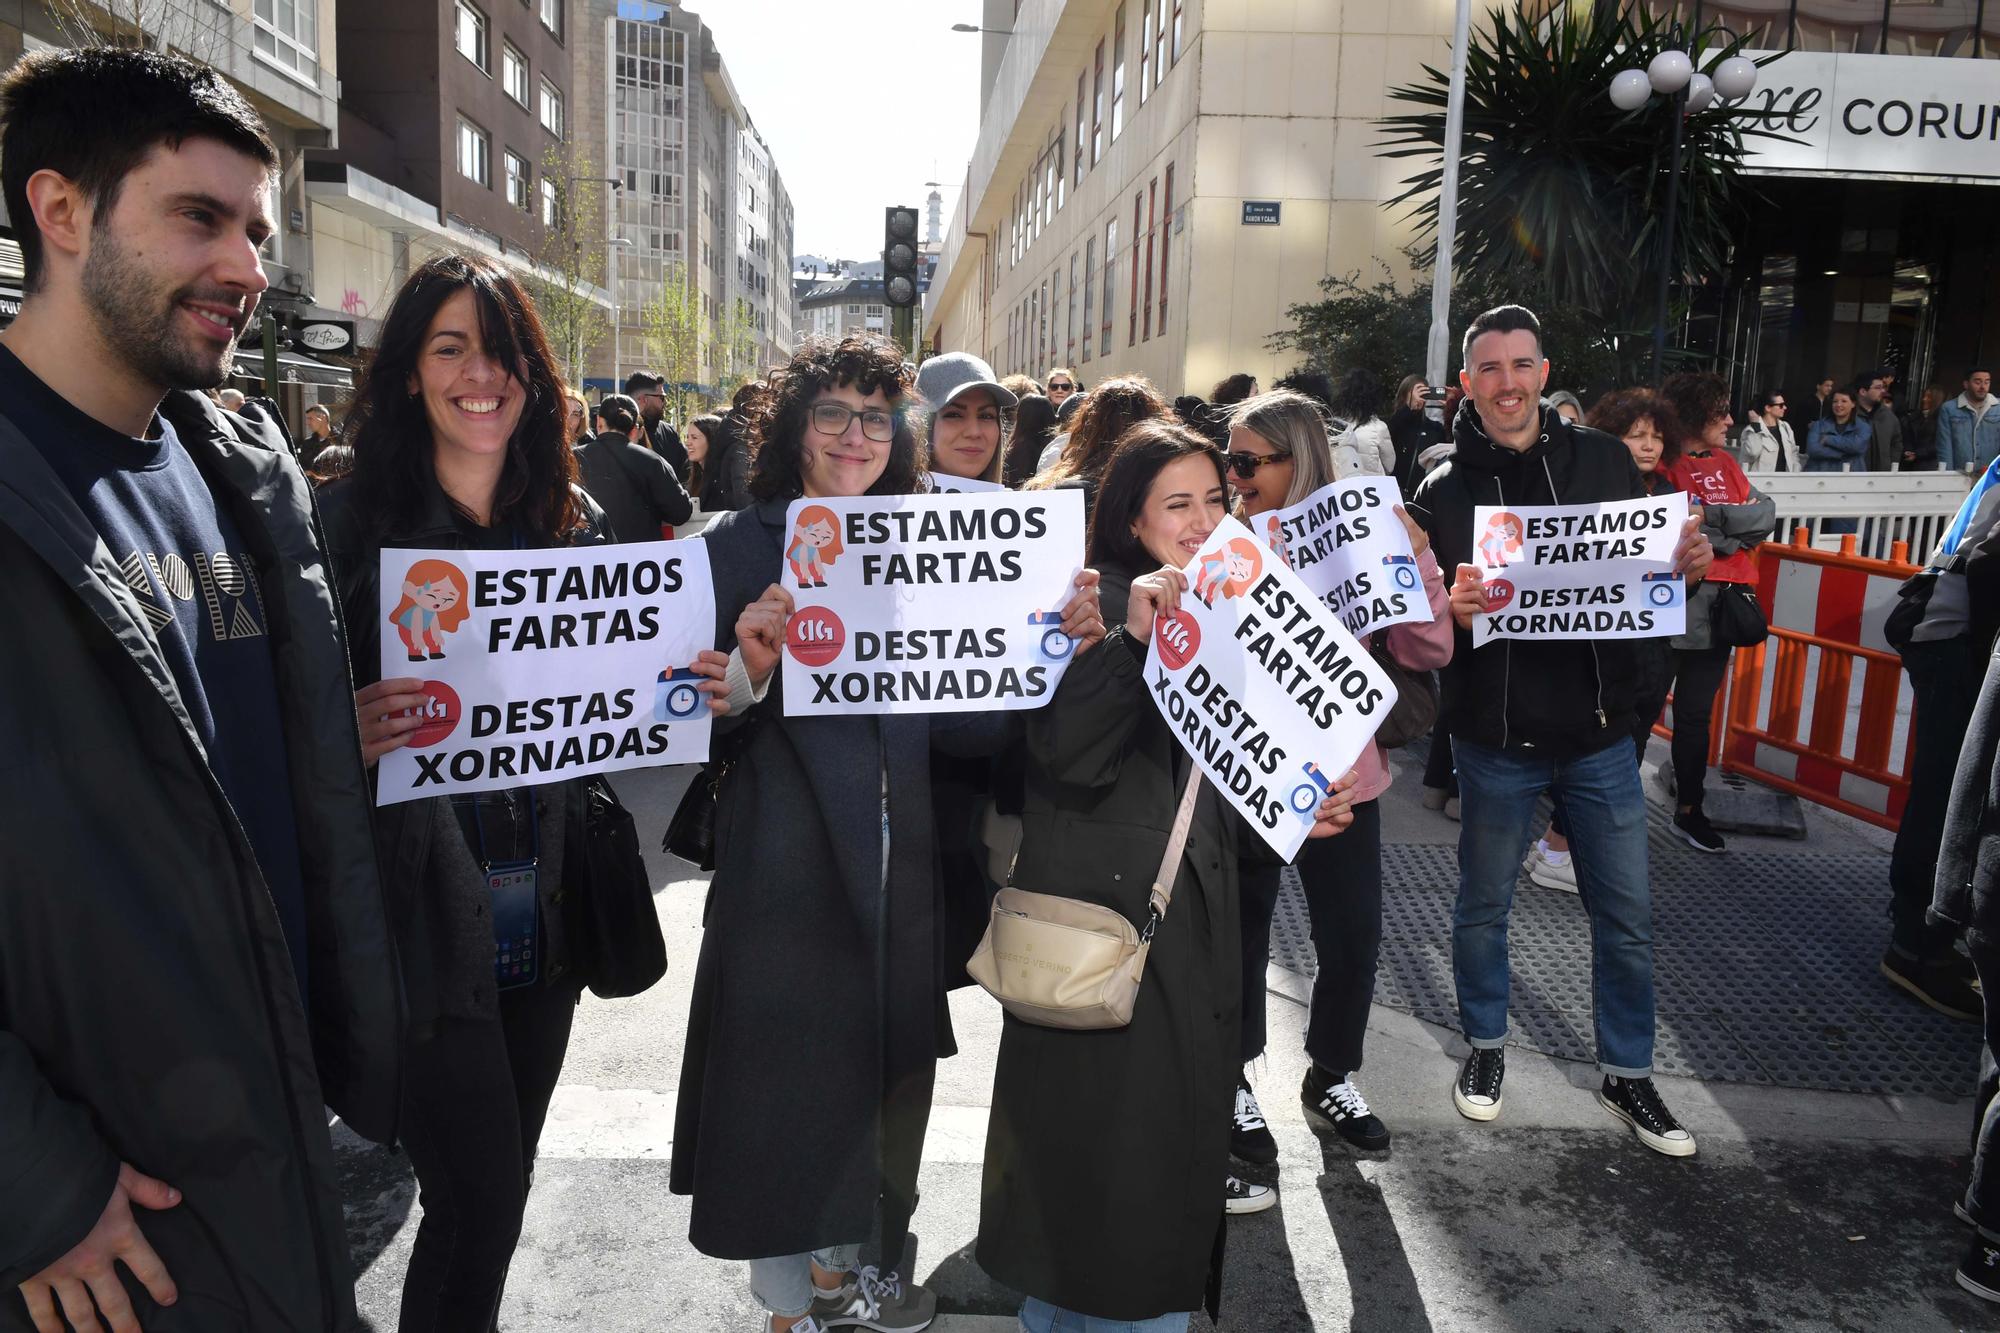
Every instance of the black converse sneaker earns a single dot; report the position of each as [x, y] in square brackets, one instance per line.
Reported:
[1637, 1102]
[1240, 1196]
[1249, 1137]
[1477, 1092]
[1979, 1270]
[1338, 1106]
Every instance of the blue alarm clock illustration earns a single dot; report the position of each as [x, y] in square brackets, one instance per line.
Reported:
[676, 696]
[1402, 569]
[1054, 645]
[1308, 794]
[1663, 590]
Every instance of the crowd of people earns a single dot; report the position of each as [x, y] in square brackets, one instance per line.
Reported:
[194, 775]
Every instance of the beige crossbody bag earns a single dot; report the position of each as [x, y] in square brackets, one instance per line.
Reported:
[1060, 963]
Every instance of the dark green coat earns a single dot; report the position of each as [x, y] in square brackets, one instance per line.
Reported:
[1106, 1151]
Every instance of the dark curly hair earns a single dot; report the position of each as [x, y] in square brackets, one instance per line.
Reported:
[393, 450]
[778, 419]
[1697, 397]
[1113, 407]
[1618, 411]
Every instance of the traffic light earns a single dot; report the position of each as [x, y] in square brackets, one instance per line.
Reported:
[899, 257]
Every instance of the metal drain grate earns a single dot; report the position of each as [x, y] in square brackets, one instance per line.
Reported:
[1764, 968]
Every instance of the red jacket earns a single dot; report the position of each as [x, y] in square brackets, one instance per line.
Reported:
[1714, 478]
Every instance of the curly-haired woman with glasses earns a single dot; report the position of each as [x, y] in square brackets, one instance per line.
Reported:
[819, 1001]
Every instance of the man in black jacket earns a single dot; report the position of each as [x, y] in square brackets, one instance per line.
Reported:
[194, 951]
[632, 485]
[1527, 716]
[649, 391]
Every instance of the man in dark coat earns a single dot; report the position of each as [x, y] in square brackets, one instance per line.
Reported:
[194, 953]
[635, 487]
[650, 392]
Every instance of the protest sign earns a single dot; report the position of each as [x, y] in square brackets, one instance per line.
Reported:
[929, 603]
[1263, 686]
[1345, 542]
[944, 485]
[1602, 571]
[544, 665]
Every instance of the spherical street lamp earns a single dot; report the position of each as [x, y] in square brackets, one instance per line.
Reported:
[1670, 70]
[1700, 92]
[1734, 78]
[1630, 89]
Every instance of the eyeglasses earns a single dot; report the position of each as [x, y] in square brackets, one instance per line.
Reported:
[832, 419]
[1055, 387]
[1245, 465]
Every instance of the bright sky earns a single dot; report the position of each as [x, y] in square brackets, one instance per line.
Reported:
[862, 101]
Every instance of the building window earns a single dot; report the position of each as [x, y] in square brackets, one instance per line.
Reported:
[1110, 283]
[1138, 217]
[470, 36]
[1145, 48]
[552, 108]
[1062, 178]
[287, 34]
[1166, 242]
[1152, 199]
[518, 177]
[1178, 5]
[514, 73]
[552, 16]
[1097, 110]
[1069, 318]
[474, 153]
[1118, 75]
[1089, 290]
[1081, 118]
[551, 205]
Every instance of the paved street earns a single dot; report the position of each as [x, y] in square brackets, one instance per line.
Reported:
[1806, 1208]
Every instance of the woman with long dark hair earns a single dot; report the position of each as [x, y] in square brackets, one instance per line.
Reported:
[460, 441]
[1034, 427]
[1105, 1149]
[1111, 409]
[819, 1001]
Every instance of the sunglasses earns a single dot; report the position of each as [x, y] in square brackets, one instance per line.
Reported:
[1245, 465]
[1055, 386]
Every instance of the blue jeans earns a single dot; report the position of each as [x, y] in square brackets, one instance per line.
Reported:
[1041, 1317]
[783, 1284]
[1605, 809]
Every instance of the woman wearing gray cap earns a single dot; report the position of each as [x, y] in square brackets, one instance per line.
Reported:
[965, 428]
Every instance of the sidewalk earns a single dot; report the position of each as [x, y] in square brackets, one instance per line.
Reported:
[1806, 1209]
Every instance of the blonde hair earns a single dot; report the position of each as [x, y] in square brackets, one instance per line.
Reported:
[1294, 423]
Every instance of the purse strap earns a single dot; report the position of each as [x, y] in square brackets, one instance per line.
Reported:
[1163, 883]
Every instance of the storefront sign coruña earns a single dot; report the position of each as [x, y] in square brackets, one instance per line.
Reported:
[1849, 114]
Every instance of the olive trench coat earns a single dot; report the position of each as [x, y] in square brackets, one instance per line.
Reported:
[818, 1013]
[1106, 1151]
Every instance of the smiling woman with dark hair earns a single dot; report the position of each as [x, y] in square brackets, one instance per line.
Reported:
[460, 442]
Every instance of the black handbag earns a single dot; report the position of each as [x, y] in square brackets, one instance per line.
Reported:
[613, 928]
[1416, 706]
[691, 831]
[1737, 620]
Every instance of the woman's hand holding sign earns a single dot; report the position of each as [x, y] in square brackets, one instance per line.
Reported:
[760, 633]
[1153, 595]
[1336, 812]
[1420, 540]
[1083, 617]
[389, 711]
[1468, 595]
[714, 666]
[1695, 553]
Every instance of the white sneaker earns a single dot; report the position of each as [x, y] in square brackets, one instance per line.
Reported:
[1240, 1196]
[1550, 874]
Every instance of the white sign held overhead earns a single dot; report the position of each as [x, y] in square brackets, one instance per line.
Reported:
[1263, 686]
[929, 603]
[544, 665]
[1346, 543]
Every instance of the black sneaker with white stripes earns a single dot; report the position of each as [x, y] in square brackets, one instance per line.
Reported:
[1637, 1102]
[1249, 1137]
[1336, 1104]
[1477, 1092]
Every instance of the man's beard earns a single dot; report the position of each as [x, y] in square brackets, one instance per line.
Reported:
[136, 315]
[651, 416]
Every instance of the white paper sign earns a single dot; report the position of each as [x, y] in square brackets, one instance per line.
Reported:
[1602, 571]
[944, 485]
[1263, 686]
[544, 665]
[1345, 542]
[929, 603]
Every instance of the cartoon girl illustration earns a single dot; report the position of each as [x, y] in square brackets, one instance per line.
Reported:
[434, 602]
[815, 545]
[1501, 541]
[1228, 570]
[1275, 539]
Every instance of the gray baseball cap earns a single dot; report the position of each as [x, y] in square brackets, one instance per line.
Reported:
[944, 378]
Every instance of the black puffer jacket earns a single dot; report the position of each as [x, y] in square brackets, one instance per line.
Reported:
[148, 1011]
[1558, 697]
